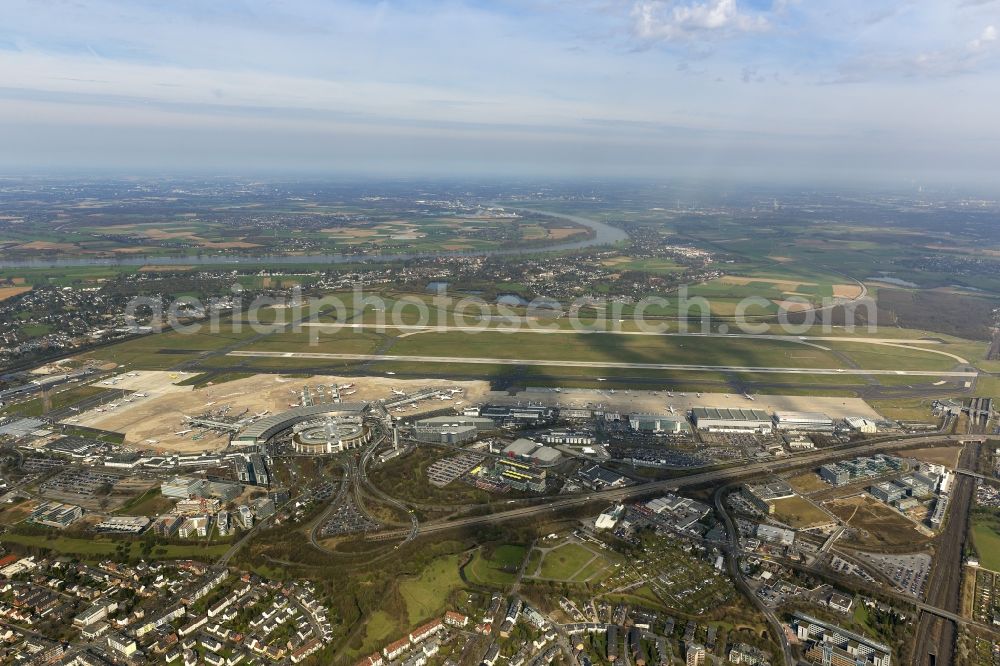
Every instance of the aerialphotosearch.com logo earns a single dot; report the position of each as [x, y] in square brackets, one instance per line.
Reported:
[680, 312]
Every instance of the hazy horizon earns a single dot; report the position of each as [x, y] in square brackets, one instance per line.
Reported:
[784, 91]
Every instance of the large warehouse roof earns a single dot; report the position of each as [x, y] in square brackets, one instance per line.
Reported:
[716, 414]
[272, 425]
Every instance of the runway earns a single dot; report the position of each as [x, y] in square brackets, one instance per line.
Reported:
[604, 364]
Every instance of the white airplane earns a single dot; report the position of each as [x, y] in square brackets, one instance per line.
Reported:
[601, 379]
[349, 392]
[398, 392]
[671, 407]
[153, 441]
[142, 395]
[293, 405]
[444, 397]
[390, 373]
[748, 396]
[74, 409]
[182, 432]
[262, 414]
[458, 390]
[346, 386]
[209, 404]
[459, 402]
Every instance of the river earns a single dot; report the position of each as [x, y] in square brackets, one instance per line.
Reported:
[604, 234]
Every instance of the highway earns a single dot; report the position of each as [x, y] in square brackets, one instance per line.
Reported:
[961, 374]
[725, 475]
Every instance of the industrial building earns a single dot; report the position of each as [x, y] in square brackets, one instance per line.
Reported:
[181, 487]
[56, 514]
[681, 512]
[861, 424]
[528, 451]
[578, 437]
[656, 423]
[778, 535]
[518, 415]
[804, 421]
[713, 419]
[451, 429]
[887, 492]
[762, 495]
[600, 478]
[521, 476]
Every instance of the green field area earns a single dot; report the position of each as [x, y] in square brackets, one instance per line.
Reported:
[35, 406]
[380, 628]
[617, 348]
[150, 503]
[427, 594]
[498, 568]
[98, 547]
[565, 561]
[165, 350]
[799, 513]
[986, 537]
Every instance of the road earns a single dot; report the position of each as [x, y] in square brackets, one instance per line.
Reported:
[935, 635]
[604, 364]
[717, 476]
[733, 551]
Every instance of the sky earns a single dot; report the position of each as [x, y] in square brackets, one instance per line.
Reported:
[773, 90]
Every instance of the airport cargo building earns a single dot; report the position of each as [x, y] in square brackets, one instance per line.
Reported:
[451, 429]
[712, 419]
[804, 421]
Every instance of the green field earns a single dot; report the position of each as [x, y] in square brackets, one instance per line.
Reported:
[565, 561]
[497, 568]
[427, 594]
[35, 406]
[986, 537]
[98, 547]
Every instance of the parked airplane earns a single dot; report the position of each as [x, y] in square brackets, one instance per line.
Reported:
[398, 392]
[183, 432]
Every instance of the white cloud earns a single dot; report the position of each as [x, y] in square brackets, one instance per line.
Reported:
[674, 20]
[988, 36]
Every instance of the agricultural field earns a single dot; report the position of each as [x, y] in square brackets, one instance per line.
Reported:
[247, 224]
